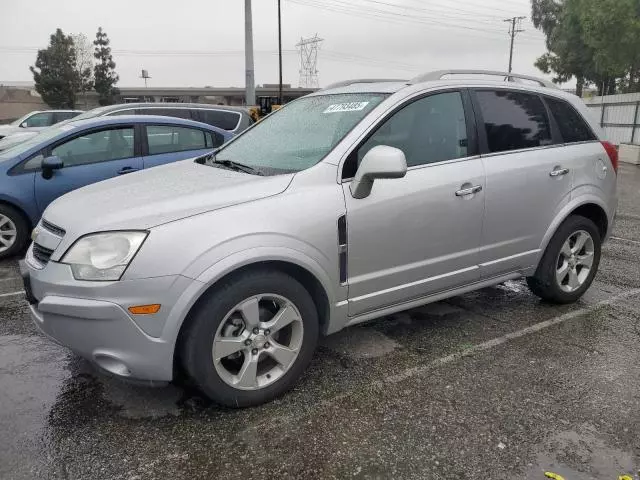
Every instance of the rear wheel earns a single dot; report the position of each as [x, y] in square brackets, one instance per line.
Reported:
[251, 338]
[14, 231]
[569, 263]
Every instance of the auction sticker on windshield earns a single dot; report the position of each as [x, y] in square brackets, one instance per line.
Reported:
[346, 107]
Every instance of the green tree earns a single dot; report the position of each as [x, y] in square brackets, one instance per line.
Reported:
[104, 75]
[55, 75]
[612, 31]
[568, 55]
[595, 41]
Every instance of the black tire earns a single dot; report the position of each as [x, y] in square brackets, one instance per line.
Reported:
[197, 341]
[544, 283]
[22, 231]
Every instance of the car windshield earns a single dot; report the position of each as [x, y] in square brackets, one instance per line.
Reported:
[41, 137]
[300, 134]
[16, 123]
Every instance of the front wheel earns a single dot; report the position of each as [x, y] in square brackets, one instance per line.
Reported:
[251, 338]
[14, 231]
[569, 263]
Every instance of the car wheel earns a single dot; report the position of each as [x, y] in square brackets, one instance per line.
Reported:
[569, 263]
[250, 339]
[14, 231]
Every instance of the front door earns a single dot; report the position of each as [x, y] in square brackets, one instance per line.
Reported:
[418, 235]
[528, 178]
[88, 158]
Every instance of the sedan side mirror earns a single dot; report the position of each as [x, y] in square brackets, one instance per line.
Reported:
[379, 162]
[23, 125]
[49, 164]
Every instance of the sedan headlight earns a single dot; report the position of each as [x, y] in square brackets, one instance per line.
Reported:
[103, 256]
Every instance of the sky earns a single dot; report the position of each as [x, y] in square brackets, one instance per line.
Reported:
[196, 43]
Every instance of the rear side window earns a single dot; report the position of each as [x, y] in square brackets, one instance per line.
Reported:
[167, 139]
[166, 112]
[513, 120]
[220, 118]
[572, 126]
[61, 116]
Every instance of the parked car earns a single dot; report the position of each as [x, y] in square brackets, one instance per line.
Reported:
[36, 121]
[349, 204]
[73, 155]
[231, 119]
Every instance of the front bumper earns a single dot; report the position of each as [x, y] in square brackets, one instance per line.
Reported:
[91, 318]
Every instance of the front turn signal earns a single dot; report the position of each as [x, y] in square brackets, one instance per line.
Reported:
[145, 309]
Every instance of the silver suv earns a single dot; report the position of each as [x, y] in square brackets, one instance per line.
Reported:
[346, 205]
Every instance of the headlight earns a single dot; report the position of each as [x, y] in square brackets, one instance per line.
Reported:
[103, 256]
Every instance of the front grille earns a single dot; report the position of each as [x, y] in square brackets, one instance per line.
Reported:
[41, 254]
[53, 228]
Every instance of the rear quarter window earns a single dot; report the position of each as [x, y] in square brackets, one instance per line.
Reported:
[572, 126]
[220, 118]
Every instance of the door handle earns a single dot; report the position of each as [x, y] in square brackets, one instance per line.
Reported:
[469, 191]
[125, 170]
[558, 172]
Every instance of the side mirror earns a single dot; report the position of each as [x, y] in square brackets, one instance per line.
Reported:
[49, 164]
[379, 162]
[23, 125]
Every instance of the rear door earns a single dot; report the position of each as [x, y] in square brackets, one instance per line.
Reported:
[528, 179]
[169, 143]
[89, 157]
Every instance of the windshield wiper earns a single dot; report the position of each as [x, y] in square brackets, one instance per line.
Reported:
[239, 167]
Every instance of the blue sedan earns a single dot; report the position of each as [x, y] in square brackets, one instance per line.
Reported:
[69, 156]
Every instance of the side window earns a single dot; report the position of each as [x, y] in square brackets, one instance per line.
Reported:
[213, 139]
[220, 118]
[34, 163]
[131, 111]
[101, 146]
[61, 116]
[432, 129]
[44, 119]
[167, 138]
[572, 126]
[167, 112]
[513, 120]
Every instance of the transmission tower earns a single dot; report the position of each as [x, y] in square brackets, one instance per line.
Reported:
[308, 48]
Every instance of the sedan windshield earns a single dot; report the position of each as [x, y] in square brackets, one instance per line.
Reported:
[300, 134]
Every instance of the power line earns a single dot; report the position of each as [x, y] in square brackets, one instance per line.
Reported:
[396, 17]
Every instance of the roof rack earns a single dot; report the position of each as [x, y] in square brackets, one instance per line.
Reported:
[345, 83]
[508, 77]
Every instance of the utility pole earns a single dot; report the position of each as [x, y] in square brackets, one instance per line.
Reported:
[250, 82]
[513, 30]
[279, 55]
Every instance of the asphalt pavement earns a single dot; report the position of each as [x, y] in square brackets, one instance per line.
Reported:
[490, 385]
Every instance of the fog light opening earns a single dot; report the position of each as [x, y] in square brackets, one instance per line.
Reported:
[112, 365]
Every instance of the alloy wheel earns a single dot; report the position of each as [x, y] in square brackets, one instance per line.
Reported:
[257, 342]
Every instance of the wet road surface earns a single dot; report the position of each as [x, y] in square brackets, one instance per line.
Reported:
[489, 385]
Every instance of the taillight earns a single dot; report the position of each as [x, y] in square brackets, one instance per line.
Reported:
[612, 151]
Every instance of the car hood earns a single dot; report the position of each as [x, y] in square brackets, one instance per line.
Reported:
[159, 195]
[13, 139]
[8, 130]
